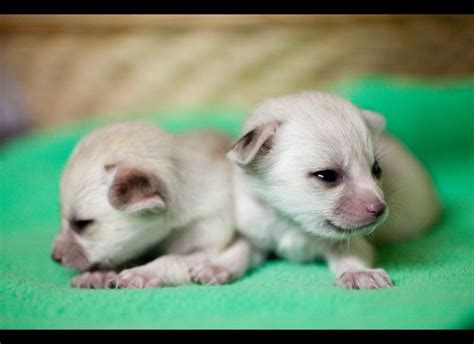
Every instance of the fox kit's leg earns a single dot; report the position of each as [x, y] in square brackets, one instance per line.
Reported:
[205, 238]
[94, 279]
[228, 266]
[351, 263]
[169, 270]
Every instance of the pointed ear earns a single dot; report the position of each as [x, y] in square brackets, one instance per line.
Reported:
[135, 190]
[375, 121]
[258, 140]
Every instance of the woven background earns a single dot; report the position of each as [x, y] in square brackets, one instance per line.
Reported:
[71, 67]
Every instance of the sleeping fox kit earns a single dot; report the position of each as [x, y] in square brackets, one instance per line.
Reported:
[129, 188]
[312, 176]
[315, 174]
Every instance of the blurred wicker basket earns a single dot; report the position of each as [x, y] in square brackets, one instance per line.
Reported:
[72, 67]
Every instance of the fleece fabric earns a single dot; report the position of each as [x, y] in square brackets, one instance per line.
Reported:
[433, 274]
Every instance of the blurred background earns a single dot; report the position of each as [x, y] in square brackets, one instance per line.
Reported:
[57, 69]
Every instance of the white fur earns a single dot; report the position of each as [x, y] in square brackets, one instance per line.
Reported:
[281, 209]
[197, 220]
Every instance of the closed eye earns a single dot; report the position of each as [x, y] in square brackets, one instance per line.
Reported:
[80, 226]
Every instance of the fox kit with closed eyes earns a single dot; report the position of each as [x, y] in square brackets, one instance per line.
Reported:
[130, 188]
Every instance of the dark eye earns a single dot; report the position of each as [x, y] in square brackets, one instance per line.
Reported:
[328, 176]
[376, 170]
[79, 226]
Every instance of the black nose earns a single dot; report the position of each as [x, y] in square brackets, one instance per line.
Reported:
[56, 257]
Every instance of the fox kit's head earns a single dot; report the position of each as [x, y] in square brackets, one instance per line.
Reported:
[311, 156]
[111, 194]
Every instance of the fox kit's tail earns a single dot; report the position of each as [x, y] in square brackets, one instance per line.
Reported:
[411, 196]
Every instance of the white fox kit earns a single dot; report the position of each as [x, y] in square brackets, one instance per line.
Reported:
[313, 171]
[131, 187]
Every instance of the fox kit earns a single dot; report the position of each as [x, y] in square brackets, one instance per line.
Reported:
[314, 174]
[129, 188]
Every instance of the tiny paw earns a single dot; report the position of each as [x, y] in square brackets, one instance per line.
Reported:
[94, 280]
[136, 278]
[368, 279]
[208, 273]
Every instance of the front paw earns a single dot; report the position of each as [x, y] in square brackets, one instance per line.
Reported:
[136, 278]
[367, 279]
[210, 274]
[94, 280]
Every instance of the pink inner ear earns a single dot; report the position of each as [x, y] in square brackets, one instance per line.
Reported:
[259, 140]
[133, 189]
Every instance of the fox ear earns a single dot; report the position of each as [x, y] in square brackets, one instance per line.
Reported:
[134, 190]
[375, 121]
[257, 140]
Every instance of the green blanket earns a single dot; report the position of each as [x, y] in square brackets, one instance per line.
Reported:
[433, 275]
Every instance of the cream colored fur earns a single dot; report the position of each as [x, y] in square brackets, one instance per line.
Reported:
[195, 226]
[280, 208]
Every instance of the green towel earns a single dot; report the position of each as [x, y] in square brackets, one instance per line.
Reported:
[433, 275]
